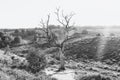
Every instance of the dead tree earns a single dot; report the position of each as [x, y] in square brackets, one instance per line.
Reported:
[45, 28]
[7, 49]
[65, 21]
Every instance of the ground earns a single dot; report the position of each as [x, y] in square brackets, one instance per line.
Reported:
[81, 69]
[78, 66]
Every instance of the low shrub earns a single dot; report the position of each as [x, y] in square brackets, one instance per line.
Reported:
[36, 60]
[17, 39]
[94, 77]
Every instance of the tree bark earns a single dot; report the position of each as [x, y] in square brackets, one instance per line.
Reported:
[62, 60]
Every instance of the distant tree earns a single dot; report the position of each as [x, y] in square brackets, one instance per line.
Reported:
[16, 31]
[30, 32]
[98, 34]
[84, 31]
[1, 34]
[23, 30]
[17, 39]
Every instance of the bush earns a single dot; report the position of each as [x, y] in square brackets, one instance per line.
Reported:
[5, 40]
[16, 31]
[36, 60]
[1, 34]
[93, 77]
[98, 34]
[85, 32]
[17, 39]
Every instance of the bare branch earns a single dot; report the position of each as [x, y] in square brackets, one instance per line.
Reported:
[44, 30]
[48, 19]
[45, 25]
[42, 23]
[64, 19]
[58, 16]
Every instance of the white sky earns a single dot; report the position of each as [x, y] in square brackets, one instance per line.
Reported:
[27, 13]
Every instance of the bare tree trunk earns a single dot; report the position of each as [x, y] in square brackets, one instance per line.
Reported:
[7, 49]
[62, 60]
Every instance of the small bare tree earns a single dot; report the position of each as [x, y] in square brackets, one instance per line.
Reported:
[45, 28]
[65, 21]
[45, 25]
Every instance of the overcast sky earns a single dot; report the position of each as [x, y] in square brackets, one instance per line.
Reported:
[27, 13]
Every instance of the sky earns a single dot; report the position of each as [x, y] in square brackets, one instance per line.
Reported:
[28, 13]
